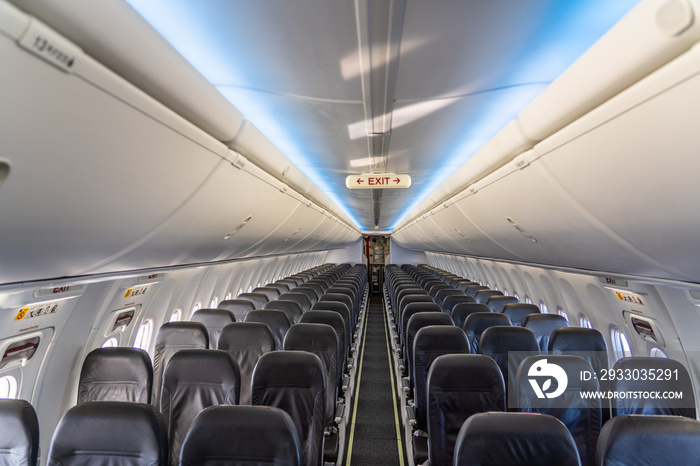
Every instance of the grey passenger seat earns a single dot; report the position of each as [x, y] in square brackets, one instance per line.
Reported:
[116, 374]
[19, 433]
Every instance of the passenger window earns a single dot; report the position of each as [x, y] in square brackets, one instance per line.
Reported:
[658, 353]
[176, 316]
[516, 295]
[214, 302]
[228, 296]
[528, 300]
[543, 307]
[111, 343]
[621, 345]
[8, 387]
[562, 313]
[143, 336]
[584, 322]
[196, 307]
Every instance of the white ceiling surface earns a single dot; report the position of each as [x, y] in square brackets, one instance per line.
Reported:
[403, 86]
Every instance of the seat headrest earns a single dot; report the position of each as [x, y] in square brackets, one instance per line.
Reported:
[441, 338]
[291, 308]
[278, 321]
[182, 334]
[649, 440]
[19, 433]
[330, 306]
[332, 318]
[576, 339]
[250, 434]
[204, 366]
[515, 439]
[258, 299]
[214, 320]
[338, 297]
[482, 296]
[544, 323]
[116, 374]
[239, 307]
[476, 323]
[245, 335]
[502, 339]
[516, 312]
[271, 292]
[280, 368]
[496, 303]
[466, 372]
[311, 337]
[423, 319]
[451, 301]
[678, 382]
[462, 310]
[110, 432]
[421, 307]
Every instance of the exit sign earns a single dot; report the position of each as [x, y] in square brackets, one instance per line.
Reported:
[377, 181]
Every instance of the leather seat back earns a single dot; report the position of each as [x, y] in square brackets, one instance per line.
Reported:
[214, 320]
[116, 374]
[542, 325]
[459, 385]
[246, 342]
[461, 311]
[294, 381]
[648, 440]
[171, 338]
[194, 380]
[517, 312]
[321, 340]
[478, 322]
[19, 433]
[429, 344]
[582, 416]
[241, 435]
[110, 433]
[278, 321]
[239, 307]
[675, 379]
[497, 302]
[515, 439]
[497, 342]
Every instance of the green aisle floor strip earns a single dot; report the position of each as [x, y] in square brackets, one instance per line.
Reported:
[393, 390]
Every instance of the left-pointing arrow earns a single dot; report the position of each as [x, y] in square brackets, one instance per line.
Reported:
[360, 181]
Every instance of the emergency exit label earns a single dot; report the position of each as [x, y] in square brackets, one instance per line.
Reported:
[377, 181]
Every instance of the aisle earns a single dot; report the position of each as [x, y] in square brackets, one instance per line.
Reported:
[374, 435]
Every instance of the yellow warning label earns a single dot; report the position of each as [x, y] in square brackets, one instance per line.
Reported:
[128, 292]
[22, 312]
[619, 295]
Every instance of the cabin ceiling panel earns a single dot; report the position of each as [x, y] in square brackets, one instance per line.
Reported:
[84, 184]
[404, 86]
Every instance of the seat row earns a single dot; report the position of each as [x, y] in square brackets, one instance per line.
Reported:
[504, 348]
[265, 360]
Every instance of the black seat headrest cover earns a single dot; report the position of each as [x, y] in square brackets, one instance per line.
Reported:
[648, 440]
[110, 433]
[482, 296]
[517, 312]
[542, 325]
[335, 320]
[19, 433]
[295, 382]
[461, 311]
[291, 308]
[116, 374]
[429, 344]
[679, 381]
[258, 435]
[271, 292]
[278, 321]
[246, 342]
[497, 302]
[451, 301]
[417, 322]
[581, 416]
[214, 320]
[258, 299]
[476, 323]
[321, 340]
[459, 385]
[171, 338]
[239, 307]
[194, 380]
[515, 439]
[497, 342]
